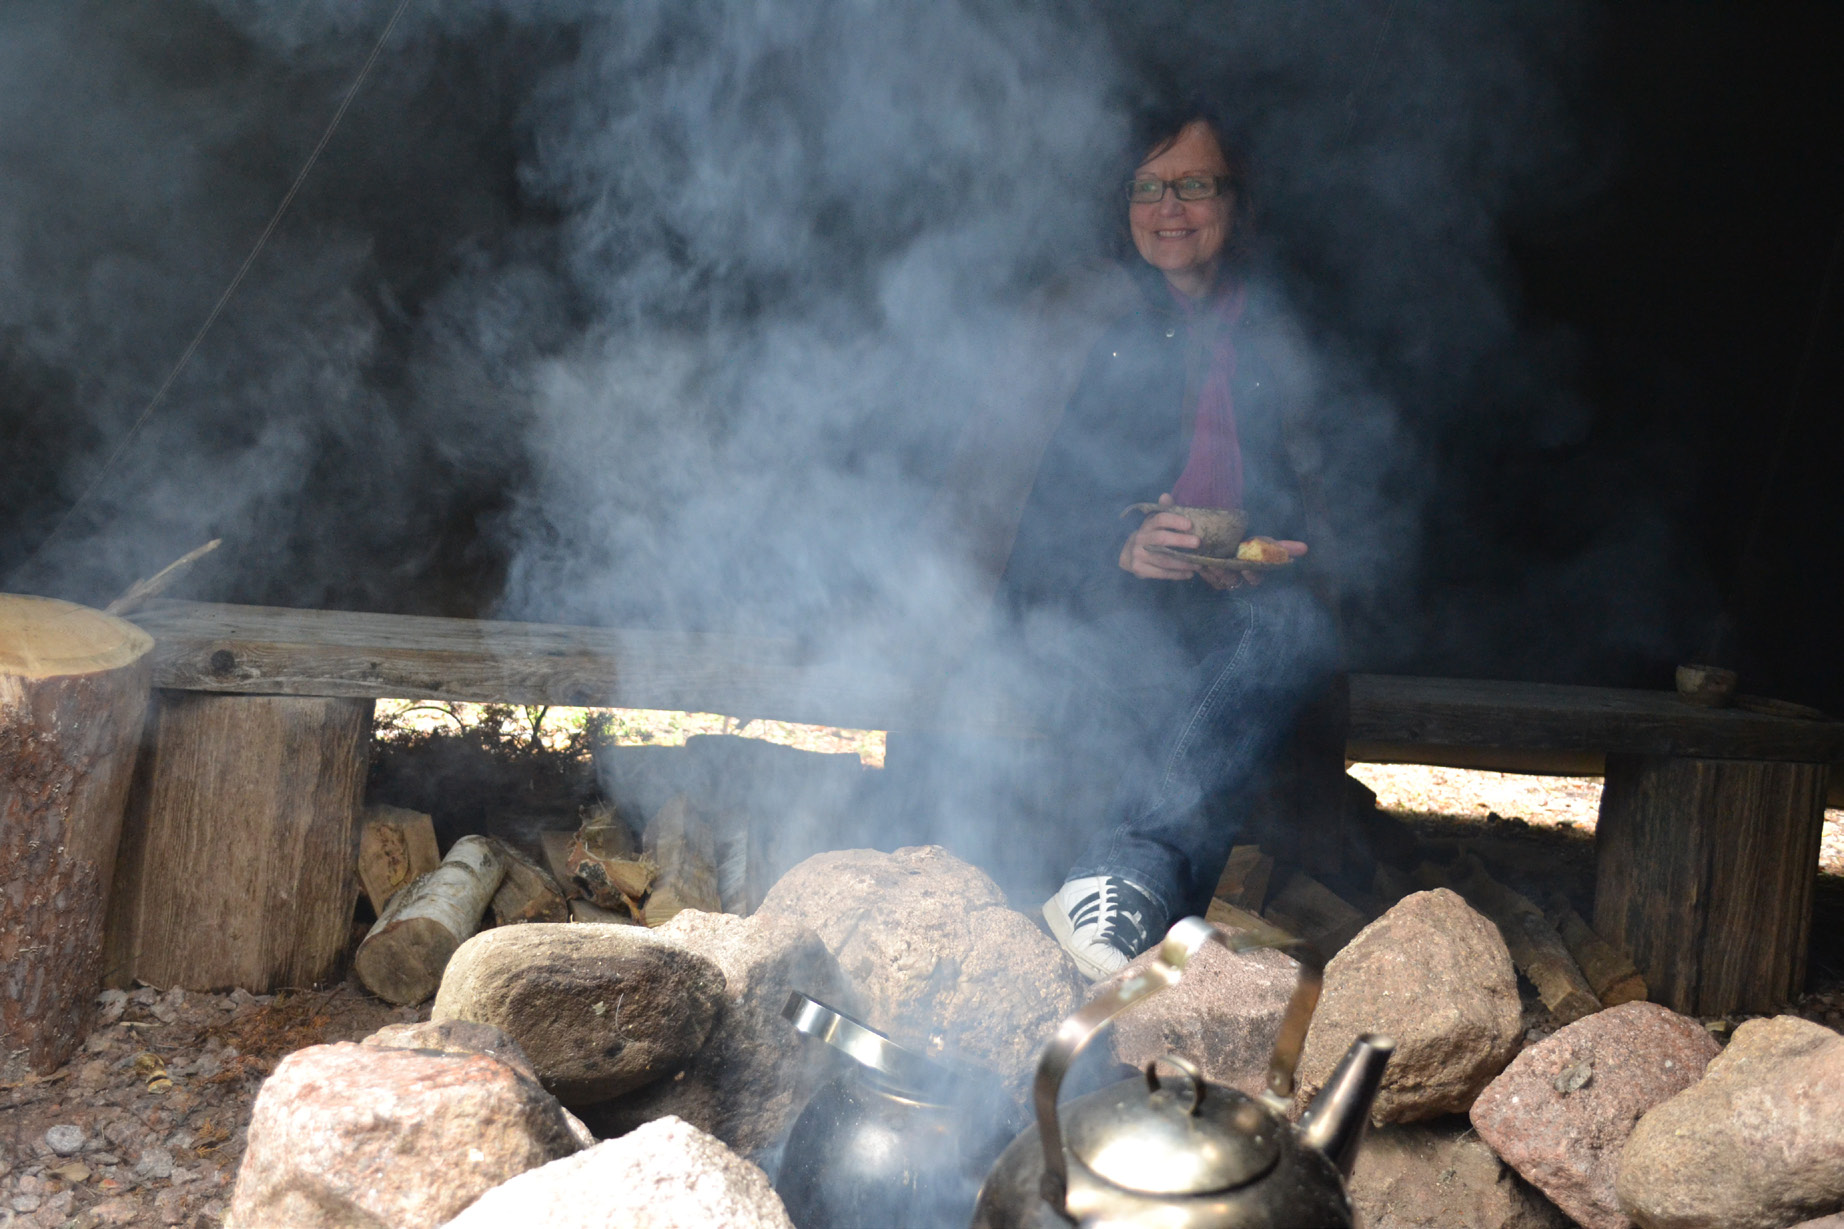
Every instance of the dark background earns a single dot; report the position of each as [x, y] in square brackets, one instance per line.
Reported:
[1653, 480]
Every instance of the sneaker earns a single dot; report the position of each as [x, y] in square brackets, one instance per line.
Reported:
[1102, 921]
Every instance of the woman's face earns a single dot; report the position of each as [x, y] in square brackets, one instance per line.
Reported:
[1184, 239]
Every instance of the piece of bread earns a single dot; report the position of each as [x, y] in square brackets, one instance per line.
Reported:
[1263, 550]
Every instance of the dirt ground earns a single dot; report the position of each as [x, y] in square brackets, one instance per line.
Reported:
[146, 1125]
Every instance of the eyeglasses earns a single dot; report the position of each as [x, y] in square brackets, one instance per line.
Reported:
[1190, 188]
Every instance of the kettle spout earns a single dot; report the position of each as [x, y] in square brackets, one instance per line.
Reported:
[1334, 1123]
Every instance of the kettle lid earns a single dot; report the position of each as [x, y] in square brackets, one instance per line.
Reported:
[1171, 1140]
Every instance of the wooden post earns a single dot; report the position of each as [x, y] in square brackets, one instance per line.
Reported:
[1704, 871]
[237, 856]
[73, 695]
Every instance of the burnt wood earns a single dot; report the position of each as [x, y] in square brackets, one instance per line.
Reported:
[1705, 872]
[237, 856]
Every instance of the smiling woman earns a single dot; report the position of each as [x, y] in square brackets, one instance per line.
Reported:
[1181, 689]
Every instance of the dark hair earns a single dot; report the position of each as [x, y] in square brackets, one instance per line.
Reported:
[1152, 129]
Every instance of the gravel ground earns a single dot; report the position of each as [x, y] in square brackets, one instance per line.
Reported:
[145, 1126]
[1555, 802]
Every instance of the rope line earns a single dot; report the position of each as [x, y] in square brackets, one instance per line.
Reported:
[230, 291]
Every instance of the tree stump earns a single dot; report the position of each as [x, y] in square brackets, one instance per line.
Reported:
[73, 695]
[237, 857]
[1704, 871]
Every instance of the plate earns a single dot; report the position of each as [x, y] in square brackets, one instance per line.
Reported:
[1210, 561]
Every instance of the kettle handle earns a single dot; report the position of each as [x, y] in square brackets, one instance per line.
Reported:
[1181, 943]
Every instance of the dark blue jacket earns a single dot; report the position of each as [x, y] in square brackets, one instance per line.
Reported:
[1124, 439]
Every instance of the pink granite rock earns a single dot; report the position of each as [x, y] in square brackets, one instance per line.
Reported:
[940, 961]
[1441, 1176]
[664, 1175]
[347, 1135]
[1834, 1221]
[1223, 1015]
[1563, 1109]
[1437, 977]
[1758, 1143]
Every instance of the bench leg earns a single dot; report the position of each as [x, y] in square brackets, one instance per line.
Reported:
[1704, 871]
[237, 861]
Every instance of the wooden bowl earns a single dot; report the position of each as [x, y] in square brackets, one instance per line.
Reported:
[1710, 686]
[1219, 530]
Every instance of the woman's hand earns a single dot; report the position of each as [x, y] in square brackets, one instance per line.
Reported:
[1167, 529]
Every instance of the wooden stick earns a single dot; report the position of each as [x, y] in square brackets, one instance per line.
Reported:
[402, 959]
[142, 591]
[1536, 949]
[1610, 973]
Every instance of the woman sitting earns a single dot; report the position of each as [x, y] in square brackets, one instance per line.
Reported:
[1181, 676]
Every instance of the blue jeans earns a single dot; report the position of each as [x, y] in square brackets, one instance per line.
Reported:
[1212, 705]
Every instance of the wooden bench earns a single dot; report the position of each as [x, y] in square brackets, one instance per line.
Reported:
[1707, 847]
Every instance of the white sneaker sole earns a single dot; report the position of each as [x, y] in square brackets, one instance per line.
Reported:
[1065, 935]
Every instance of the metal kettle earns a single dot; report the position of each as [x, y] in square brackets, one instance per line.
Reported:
[1184, 1153]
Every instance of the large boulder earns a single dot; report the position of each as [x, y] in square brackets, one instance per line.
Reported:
[1758, 1143]
[1223, 1015]
[355, 1137]
[600, 1010]
[1562, 1111]
[1441, 1176]
[938, 958]
[1437, 977]
[664, 1175]
[754, 1072]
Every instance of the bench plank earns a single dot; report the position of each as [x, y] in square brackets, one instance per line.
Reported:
[1485, 713]
[259, 650]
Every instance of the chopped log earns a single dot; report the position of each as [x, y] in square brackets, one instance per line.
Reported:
[527, 893]
[680, 843]
[1610, 973]
[1536, 948]
[556, 846]
[1222, 913]
[402, 959]
[73, 697]
[395, 846]
[603, 863]
[236, 858]
[1244, 881]
[1303, 906]
[588, 912]
[1704, 872]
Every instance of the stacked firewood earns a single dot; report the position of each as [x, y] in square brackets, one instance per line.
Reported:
[603, 872]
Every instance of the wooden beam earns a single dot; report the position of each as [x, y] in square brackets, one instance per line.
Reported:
[1485, 713]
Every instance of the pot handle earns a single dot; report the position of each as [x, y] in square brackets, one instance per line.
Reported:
[1175, 952]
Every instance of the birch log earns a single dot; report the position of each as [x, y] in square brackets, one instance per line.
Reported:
[402, 958]
[1610, 973]
[73, 695]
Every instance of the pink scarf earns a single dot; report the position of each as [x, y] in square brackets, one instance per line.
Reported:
[1212, 476]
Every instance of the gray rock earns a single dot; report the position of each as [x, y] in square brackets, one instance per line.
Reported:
[154, 1163]
[939, 959]
[665, 1175]
[1223, 1015]
[1834, 1221]
[754, 1072]
[1758, 1143]
[65, 1139]
[1562, 1111]
[358, 1137]
[1437, 977]
[599, 1010]
[1441, 1176]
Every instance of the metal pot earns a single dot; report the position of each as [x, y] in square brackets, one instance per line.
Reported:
[894, 1140]
[1193, 1155]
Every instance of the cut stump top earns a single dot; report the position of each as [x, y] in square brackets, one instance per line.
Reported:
[42, 637]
